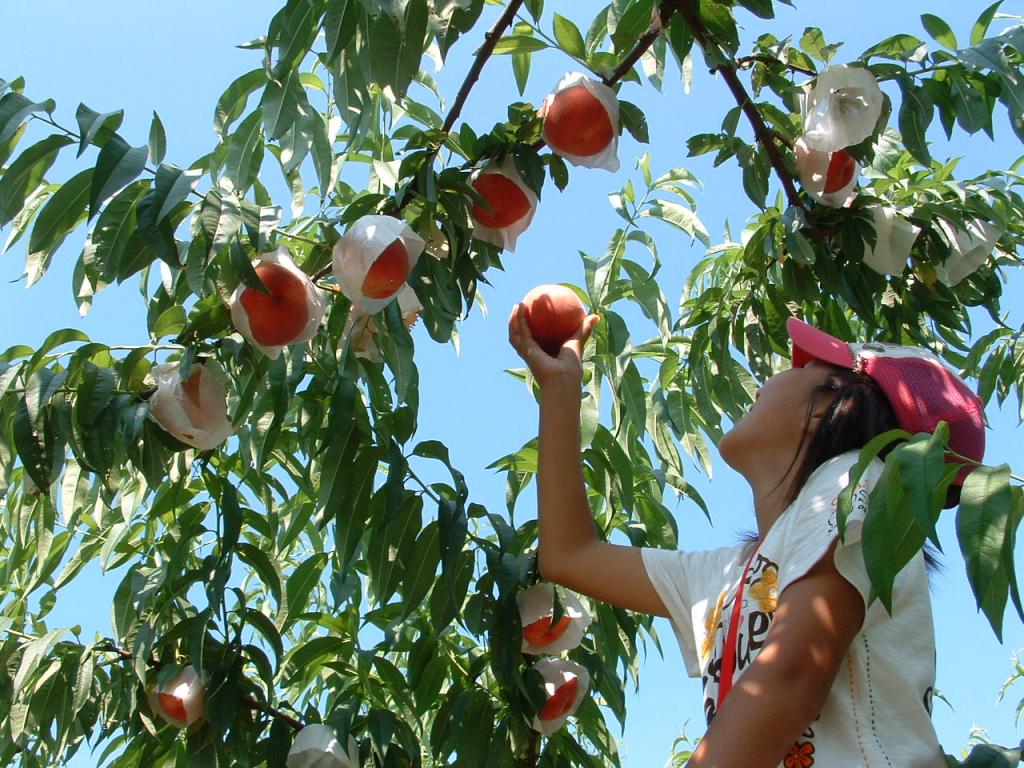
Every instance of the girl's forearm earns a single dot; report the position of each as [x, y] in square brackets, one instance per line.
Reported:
[566, 523]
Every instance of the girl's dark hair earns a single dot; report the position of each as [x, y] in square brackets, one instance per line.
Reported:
[858, 412]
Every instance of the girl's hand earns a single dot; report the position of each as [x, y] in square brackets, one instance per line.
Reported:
[568, 366]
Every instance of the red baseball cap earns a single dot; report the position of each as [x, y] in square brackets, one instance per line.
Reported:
[921, 389]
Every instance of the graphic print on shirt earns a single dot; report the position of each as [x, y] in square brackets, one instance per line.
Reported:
[760, 595]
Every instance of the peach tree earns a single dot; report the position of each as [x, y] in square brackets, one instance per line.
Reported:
[291, 589]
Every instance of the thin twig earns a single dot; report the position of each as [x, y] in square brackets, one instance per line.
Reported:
[55, 124]
[254, 704]
[746, 62]
[290, 236]
[764, 135]
[323, 273]
[490, 40]
[427, 489]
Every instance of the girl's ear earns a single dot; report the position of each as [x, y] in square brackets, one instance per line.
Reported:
[822, 403]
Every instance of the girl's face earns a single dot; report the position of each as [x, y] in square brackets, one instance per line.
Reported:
[774, 428]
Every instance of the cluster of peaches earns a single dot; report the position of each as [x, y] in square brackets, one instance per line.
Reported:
[180, 701]
[371, 265]
[840, 110]
[372, 262]
[180, 698]
[565, 682]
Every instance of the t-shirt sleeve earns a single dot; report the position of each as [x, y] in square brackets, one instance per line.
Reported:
[811, 525]
[689, 583]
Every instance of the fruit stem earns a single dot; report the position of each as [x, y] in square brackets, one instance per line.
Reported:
[490, 41]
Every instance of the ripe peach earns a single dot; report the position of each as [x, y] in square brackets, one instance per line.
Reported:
[172, 706]
[193, 410]
[180, 700]
[387, 274]
[544, 631]
[841, 168]
[277, 318]
[554, 313]
[191, 387]
[372, 261]
[507, 201]
[577, 122]
[561, 701]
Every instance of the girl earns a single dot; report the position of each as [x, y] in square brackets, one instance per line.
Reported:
[800, 667]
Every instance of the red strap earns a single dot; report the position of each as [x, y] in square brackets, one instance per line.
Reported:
[729, 651]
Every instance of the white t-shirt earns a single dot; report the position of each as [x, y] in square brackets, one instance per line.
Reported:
[878, 713]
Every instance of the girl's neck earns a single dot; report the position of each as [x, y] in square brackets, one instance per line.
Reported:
[769, 506]
[771, 495]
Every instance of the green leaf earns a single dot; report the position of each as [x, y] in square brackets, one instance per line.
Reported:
[61, 214]
[25, 174]
[939, 30]
[232, 102]
[30, 446]
[157, 139]
[899, 47]
[35, 651]
[94, 393]
[569, 38]
[634, 121]
[992, 756]
[982, 525]
[519, 44]
[228, 221]
[261, 563]
[891, 535]
[521, 70]
[414, 36]
[474, 711]
[306, 657]
[171, 186]
[340, 23]
[720, 23]
[419, 575]
[14, 108]
[95, 128]
[281, 105]
[980, 28]
[117, 166]
[113, 232]
[972, 109]
[678, 216]
[916, 112]
[300, 584]
[761, 8]
[293, 31]
[245, 152]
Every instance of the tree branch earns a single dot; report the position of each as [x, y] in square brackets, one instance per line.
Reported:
[764, 135]
[659, 20]
[490, 40]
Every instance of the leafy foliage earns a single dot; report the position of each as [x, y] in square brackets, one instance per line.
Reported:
[304, 565]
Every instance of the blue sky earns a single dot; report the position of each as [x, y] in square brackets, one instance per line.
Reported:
[176, 58]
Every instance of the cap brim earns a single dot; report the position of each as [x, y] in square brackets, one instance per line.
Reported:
[809, 344]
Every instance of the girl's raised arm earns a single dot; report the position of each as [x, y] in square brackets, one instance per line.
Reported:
[571, 552]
